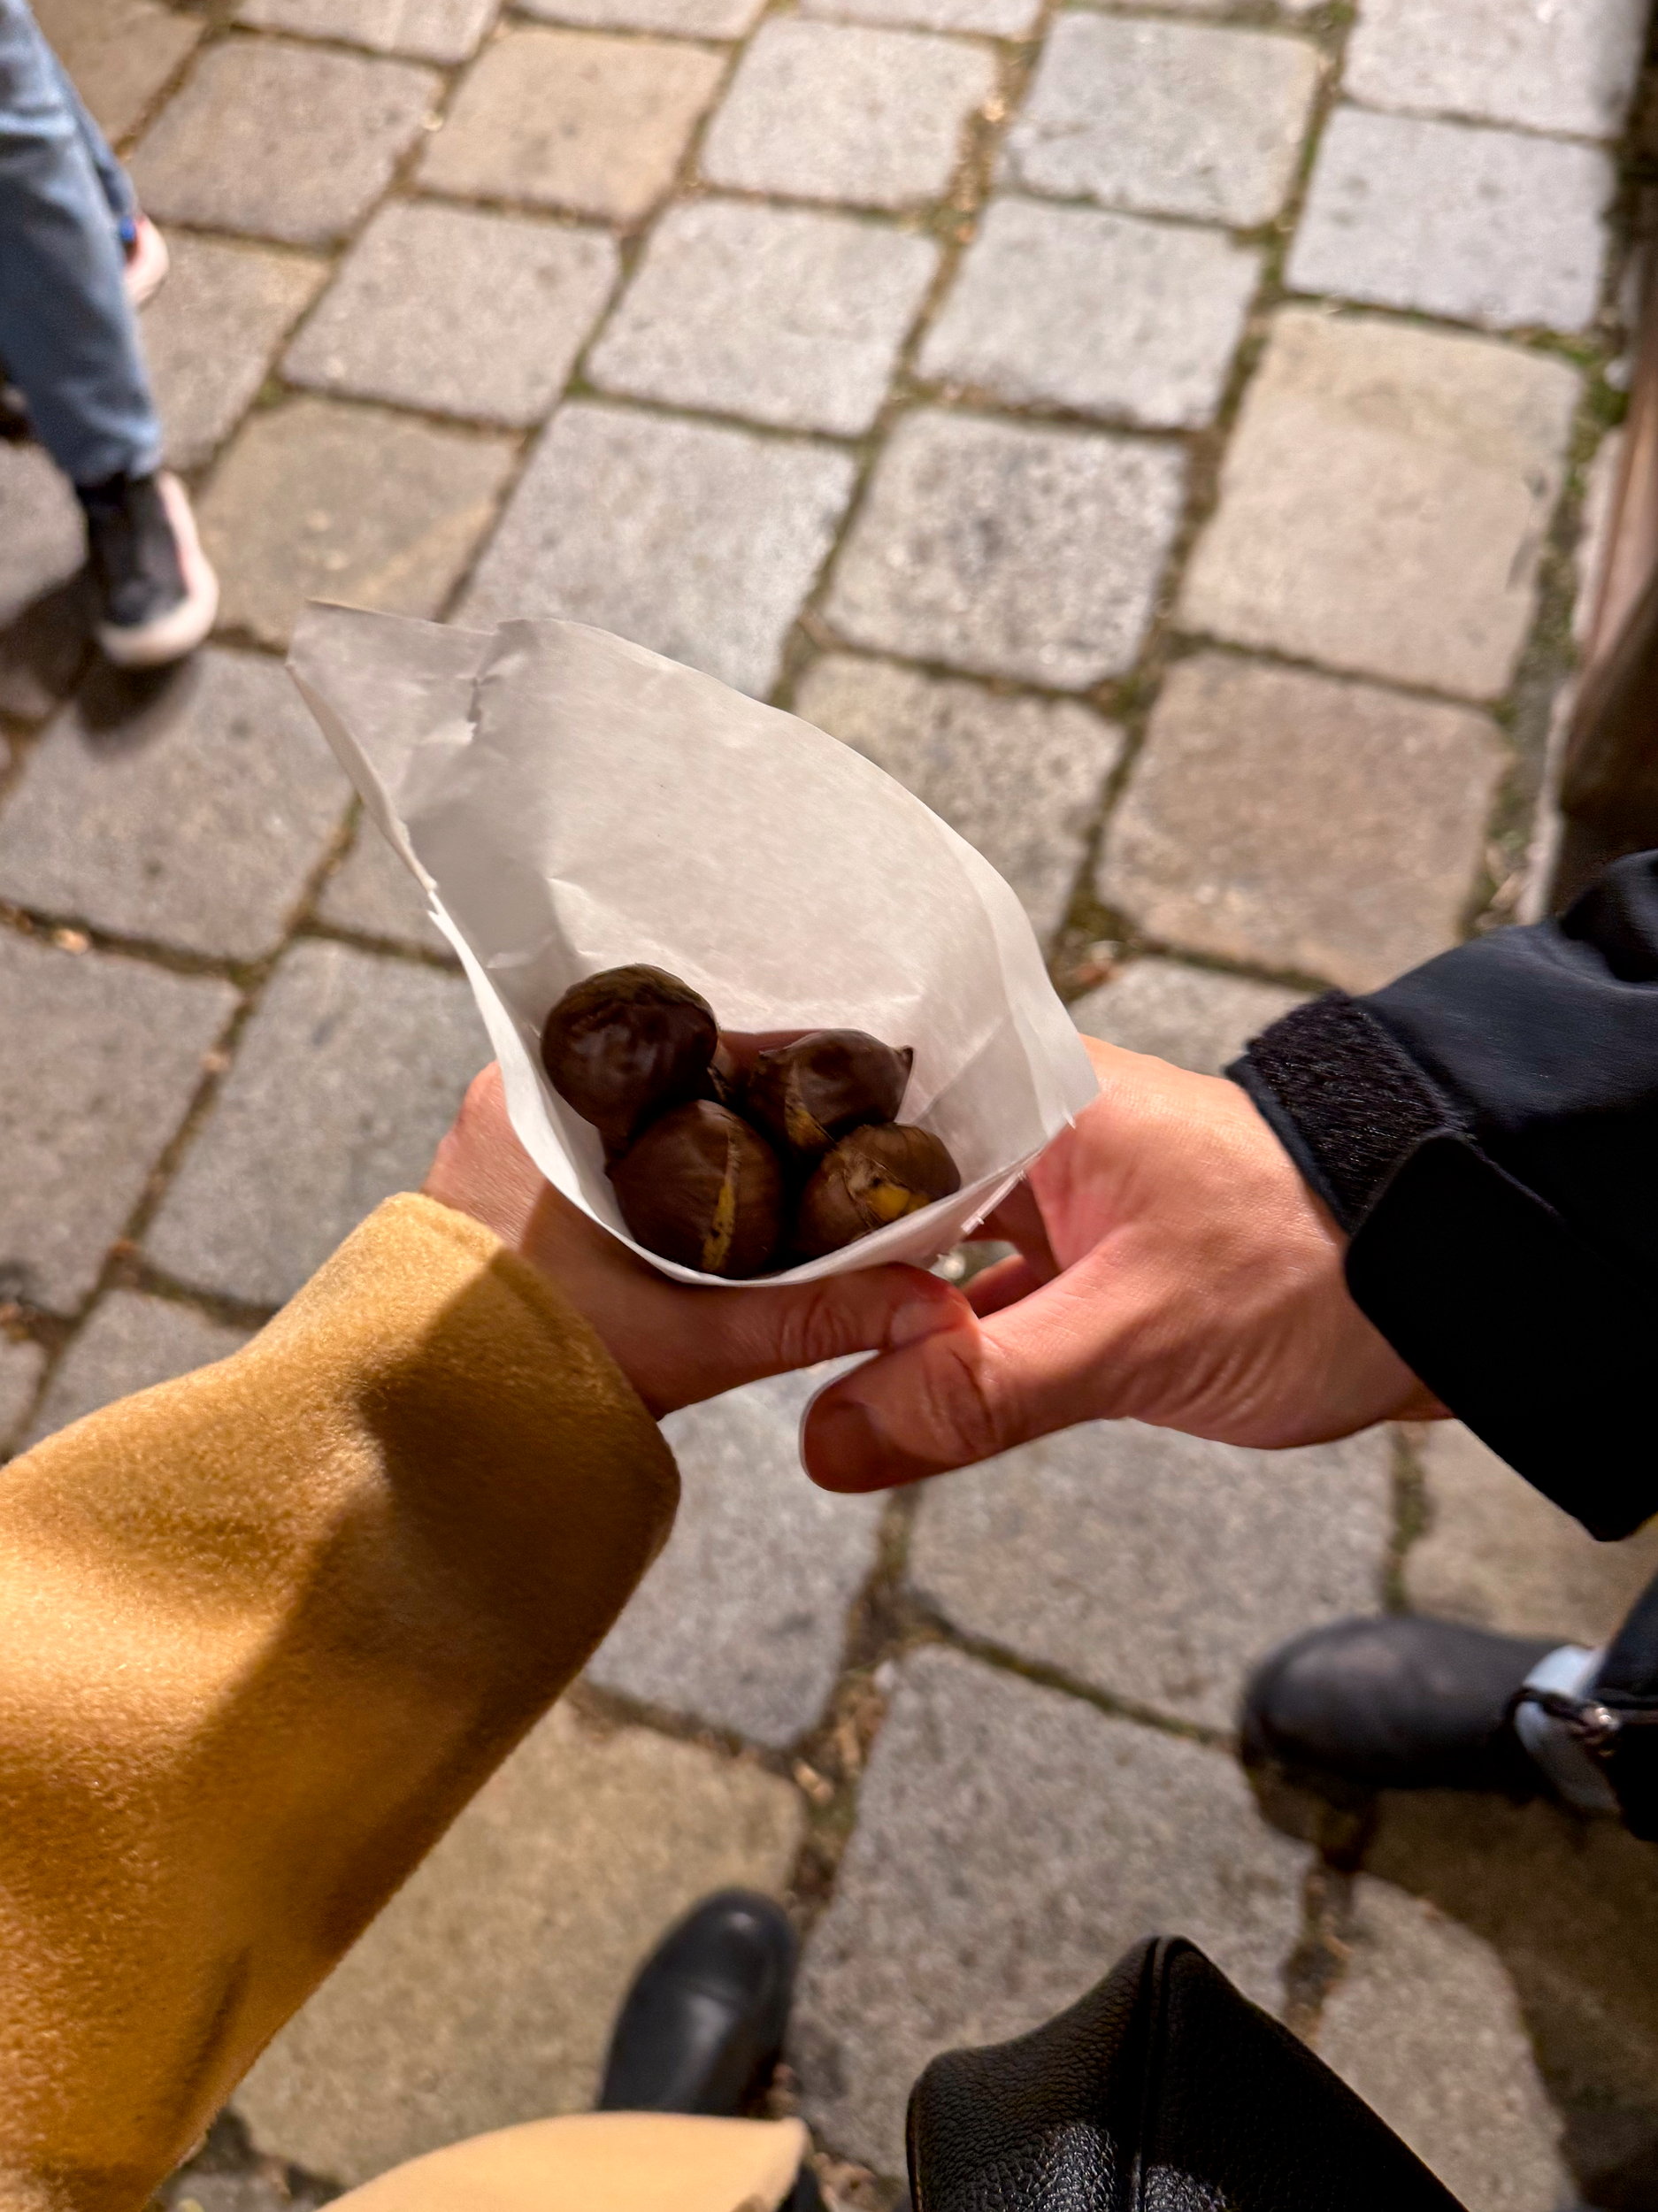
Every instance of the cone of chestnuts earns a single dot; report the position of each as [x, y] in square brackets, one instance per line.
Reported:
[730, 1167]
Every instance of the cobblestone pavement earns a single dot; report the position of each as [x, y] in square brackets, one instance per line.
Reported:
[1165, 437]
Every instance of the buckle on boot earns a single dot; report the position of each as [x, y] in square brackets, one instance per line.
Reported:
[1595, 1727]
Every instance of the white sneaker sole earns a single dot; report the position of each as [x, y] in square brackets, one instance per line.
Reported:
[146, 271]
[182, 629]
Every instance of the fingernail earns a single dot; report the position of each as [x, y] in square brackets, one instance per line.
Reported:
[919, 1318]
[850, 1448]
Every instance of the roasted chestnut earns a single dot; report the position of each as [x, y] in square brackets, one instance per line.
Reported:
[625, 1045]
[874, 1176]
[807, 1094]
[699, 1187]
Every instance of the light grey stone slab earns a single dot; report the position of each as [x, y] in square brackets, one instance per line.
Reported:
[1383, 500]
[346, 1076]
[1425, 2024]
[458, 312]
[1499, 1554]
[131, 1342]
[784, 315]
[992, 19]
[679, 19]
[742, 1619]
[571, 119]
[1481, 225]
[842, 111]
[21, 1366]
[1546, 68]
[696, 540]
[484, 1993]
[319, 499]
[211, 334]
[445, 31]
[1020, 779]
[1154, 1566]
[116, 1055]
[1165, 118]
[1009, 550]
[1104, 314]
[43, 616]
[118, 53]
[1190, 1015]
[193, 822]
[374, 893]
[1011, 1843]
[1301, 822]
[293, 142]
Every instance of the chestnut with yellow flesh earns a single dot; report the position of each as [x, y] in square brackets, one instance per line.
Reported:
[875, 1176]
[702, 1187]
[626, 1044]
[807, 1094]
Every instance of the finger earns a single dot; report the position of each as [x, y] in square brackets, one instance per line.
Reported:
[1017, 1220]
[1003, 1284]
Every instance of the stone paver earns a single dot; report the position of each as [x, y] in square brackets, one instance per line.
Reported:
[1011, 1843]
[680, 19]
[1547, 68]
[116, 1057]
[1499, 1552]
[221, 153]
[995, 19]
[1008, 550]
[570, 120]
[374, 894]
[1424, 2025]
[780, 314]
[42, 626]
[1072, 307]
[840, 112]
[1383, 501]
[458, 312]
[130, 1342]
[21, 1366]
[1164, 119]
[212, 331]
[1020, 779]
[348, 1075]
[694, 540]
[1155, 1566]
[484, 1993]
[1388, 796]
[430, 30]
[1197, 1019]
[742, 1620]
[118, 53]
[1482, 225]
[317, 499]
[194, 823]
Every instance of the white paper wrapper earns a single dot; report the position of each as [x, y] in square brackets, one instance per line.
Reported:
[570, 801]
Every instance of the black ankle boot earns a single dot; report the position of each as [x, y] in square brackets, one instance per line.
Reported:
[702, 2027]
[1396, 1703]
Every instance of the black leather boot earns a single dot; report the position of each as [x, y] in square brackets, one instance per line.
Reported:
[702, 2027]
[1394, 1703]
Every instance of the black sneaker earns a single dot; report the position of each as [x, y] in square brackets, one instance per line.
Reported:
[156, 596]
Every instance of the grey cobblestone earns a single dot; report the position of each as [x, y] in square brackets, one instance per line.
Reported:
[1010, 551]
[118, 55]
[118, 1058]
[1115, 1832]
[1164, 119]
[1569, 69]
[742, 1620]
[1155, 1566]
[21, 1366]
[212, 331]
[458, 312]
[783, 315]
[839, 111]
[1482, 225]
[696, 540]
[994, 19]
[1383, 500]
[221, 152]
[1298, 822]
[1020, 779]
[346, 1078]
[570, 120]
[131, 1342]
[43, 632]
[1190, 1015]
[374, 893]
[1103, 314]
[679, 19]
[430, 30]
[317, 499]
[194, 822]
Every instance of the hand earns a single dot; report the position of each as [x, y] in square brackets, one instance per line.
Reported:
[1173, 1267]
[675, 1342]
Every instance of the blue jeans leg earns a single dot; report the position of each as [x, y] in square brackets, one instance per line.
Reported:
[67, 336]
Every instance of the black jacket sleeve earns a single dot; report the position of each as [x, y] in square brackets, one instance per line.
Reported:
[1485, 1129]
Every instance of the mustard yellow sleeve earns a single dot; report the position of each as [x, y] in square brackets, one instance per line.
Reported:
[263, 1632]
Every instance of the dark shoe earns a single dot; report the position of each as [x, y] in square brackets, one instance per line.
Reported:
[156, 596]
[1394, 1703]
[702, 2027]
